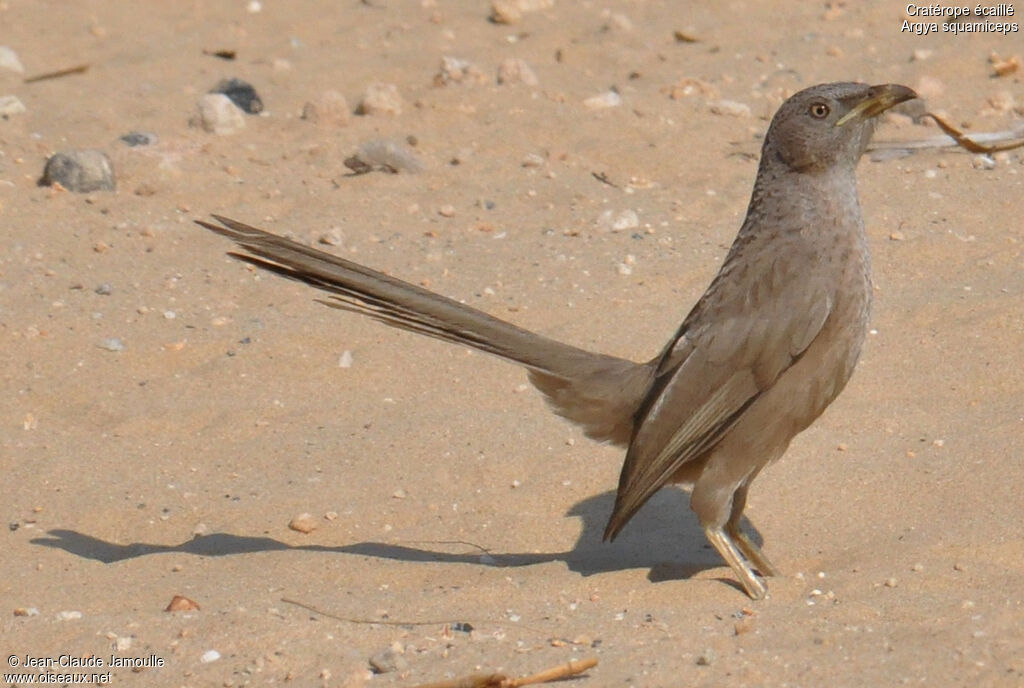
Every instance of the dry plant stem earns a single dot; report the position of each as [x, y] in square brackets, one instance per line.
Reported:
[571, 668]
[967, 144]
[382, 622]
[78, 69]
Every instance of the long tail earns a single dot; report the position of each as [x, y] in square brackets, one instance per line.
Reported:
[598, 392]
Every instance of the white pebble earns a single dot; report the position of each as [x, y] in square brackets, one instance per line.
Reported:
[209, 656]
[608, 99]
[731, 108]
[381, 99]
[345, 360]
[218, 115]
[516, 71]
[9, 60]
[68, 615]
[10, 105]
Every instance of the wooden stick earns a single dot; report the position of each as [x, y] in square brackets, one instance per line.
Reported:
[78, 69]
[571, 668]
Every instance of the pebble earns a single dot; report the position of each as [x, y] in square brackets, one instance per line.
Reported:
[180, 603]
[446, 210]
[112, 344]
[386, 661]
[218, 115]
[81, 171]
[983, 162]
[706, 658]
[123, 643]
[455, 70]
[381, 99]
[731, 108]
[209, 656]
[608, 99]
[104, 289]
[10, 105]
[515, 71]
[345, 360]
[137, 138]
[920, 55]
[332, 237]
[68, 615]
[387, 155]
[241, 94]
[303, 523]
[512, 11]
[329, 110]
[9, 60]
[617, 222]
[533, 160]
[26, 611]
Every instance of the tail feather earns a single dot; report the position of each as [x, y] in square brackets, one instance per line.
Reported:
[598, 392]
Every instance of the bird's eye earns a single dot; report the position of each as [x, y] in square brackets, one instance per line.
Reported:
[819, 111]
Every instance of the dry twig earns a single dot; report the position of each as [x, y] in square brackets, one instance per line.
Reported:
[571, 668]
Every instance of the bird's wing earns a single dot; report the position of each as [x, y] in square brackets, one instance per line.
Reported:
[731, 349]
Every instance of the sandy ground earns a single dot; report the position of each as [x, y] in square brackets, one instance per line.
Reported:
[443, 490]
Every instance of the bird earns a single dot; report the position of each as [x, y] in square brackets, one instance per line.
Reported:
[767, 347]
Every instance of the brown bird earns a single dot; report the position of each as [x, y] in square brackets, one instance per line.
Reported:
[764, 351]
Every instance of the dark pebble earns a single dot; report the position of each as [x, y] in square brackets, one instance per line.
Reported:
[138, 138]
[241, 94]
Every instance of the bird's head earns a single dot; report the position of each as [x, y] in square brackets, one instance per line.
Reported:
[828, 125]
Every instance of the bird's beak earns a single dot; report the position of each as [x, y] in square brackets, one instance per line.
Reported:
[879, 99]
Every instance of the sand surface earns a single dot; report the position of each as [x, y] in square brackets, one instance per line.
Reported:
[442, 489]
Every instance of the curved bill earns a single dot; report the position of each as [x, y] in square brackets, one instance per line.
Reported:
[879, 99]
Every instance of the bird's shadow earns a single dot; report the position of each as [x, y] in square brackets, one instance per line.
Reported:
[664, 537]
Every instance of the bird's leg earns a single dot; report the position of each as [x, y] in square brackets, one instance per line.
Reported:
[742, 541]
[724, 544]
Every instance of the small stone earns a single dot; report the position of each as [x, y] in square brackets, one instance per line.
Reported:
[218, 115]
[123, 643]
[200, 530]
[920, 55]
[137, 138]
[104, 289]
[209, 656]
[446, 210]
[917, 568]
[386, 661]
[505, 12]
[455, 70]
[81, 171]
[68, 615]
[345, 360]
[381, 99]
[891, 582]
[26, 611]
[617, 222]
[1003, 67]
[515, 71]
[329, 110]
[1002, 101]
[400, 494]
[731, 108]
[608, 99]
[10, 105]
[386, 155]
[180, 603]
[332, 237]
[303, 523]
[331, 516]
[983, 162]
[897, 236]
[532, 160]
[707, 657]
[112, 344]
[241, 94]
[9, 60]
